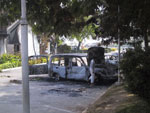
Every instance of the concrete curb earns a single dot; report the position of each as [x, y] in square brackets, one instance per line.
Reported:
[9, 69]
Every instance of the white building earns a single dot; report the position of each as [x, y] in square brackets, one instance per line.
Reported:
[3, 36]
[14, 40]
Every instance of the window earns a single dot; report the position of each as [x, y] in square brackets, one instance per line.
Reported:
[77, 62]
[55, 61]
[62, 62]
[37, 60]
[16, 48]
[74, 62]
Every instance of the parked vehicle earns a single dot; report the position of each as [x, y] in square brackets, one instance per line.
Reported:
[74, 66]
[38, 64]
[103, 68]
[69, 66]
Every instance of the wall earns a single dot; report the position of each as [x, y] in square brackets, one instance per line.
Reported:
[2, 45]
[32, 42]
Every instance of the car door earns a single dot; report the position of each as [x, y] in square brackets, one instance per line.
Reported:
[77, 69]
[57, 67]
[38, 64]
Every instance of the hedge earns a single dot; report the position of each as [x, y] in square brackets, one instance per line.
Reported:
[135, 67]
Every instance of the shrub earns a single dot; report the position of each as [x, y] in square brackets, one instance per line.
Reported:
[64, 49]
[10, 65]
[135, 67]
[37, 61]
[9, 61]
[9, 57]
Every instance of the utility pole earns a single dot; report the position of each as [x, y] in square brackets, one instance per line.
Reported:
[24, 54]
[118, 44]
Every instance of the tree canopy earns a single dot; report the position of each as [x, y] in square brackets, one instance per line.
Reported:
[132, 19]
[52, 16]
[67, 17]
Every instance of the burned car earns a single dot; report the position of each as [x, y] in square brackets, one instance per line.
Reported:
[75, 66]
[69, 66]
[104, 70]
[38, 64]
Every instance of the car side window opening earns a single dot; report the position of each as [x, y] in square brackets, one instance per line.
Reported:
[77, 62]
[66, 61]
[62, 62]
[85, 60]
[37, 60]
[74, 61]
[55, 61]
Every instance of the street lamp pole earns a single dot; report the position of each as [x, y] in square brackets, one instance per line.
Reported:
[24, 54]
[118, 45]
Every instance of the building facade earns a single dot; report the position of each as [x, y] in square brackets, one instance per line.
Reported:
[3, 39]
[10, 40]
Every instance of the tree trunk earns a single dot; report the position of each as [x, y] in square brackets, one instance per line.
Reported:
[55, 51]
[78, 48]
[33, 44]
[146, 38]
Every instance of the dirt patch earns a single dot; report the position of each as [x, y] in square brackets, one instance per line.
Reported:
[16, 81]
[114, 100]
[40, 79]
[70, 92]
[80, 108]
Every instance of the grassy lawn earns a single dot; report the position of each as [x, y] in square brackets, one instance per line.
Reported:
[118, 100]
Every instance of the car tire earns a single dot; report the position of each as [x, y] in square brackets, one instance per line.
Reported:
[56, 76]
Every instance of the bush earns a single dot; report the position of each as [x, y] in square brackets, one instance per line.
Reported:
[9, 61]
[135, 67]
[64, 49]
[9, 57]
[37, 61]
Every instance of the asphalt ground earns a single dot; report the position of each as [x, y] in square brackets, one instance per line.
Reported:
[46, 95]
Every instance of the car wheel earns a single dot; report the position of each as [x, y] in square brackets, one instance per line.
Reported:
[98, 79]
[56, 76]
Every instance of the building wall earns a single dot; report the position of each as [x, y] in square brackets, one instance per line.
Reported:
[10, 48]
[33, 44]
[3, 36]
[2, 45]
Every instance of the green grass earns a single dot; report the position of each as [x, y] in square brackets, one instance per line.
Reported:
[118, 100]
[134, 105]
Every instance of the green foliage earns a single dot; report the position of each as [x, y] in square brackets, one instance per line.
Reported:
[9, 11]
[61, 17]
[132, 19]
[10, 65]
[9, 61]
[37, 61]
[79, 17]
[64, 49]
[87, 31]
[138, 107]
[135, 67]
[9, 57]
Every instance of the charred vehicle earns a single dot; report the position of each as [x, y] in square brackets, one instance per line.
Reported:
[74, 65]
[38, 64]
[103, 68]
[69, 66]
